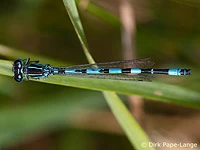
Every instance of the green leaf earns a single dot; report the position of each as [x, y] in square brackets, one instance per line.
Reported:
[6, 67]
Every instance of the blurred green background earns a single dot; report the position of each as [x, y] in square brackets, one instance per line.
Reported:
[166, 31]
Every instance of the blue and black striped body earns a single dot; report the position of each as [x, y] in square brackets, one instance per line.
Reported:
[26, 68]
[172, 71]
[37, 71]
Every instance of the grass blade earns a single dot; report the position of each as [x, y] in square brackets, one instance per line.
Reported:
[123, 116]
[131, 127]
[70, 5]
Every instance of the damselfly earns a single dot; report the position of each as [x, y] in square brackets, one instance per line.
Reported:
[138, 70]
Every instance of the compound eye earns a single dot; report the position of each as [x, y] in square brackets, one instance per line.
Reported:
[18, 77]
[18, 63]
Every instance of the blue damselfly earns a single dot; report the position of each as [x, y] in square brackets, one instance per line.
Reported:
[138, 70]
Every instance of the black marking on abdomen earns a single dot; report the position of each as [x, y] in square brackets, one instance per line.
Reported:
[155, 71]
[61, 70]
[104, 70]
[80, 70]
[126, 70]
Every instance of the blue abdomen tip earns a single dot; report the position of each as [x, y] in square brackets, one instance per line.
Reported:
[179, 72]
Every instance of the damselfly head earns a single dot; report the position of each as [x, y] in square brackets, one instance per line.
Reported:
[17, 67]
